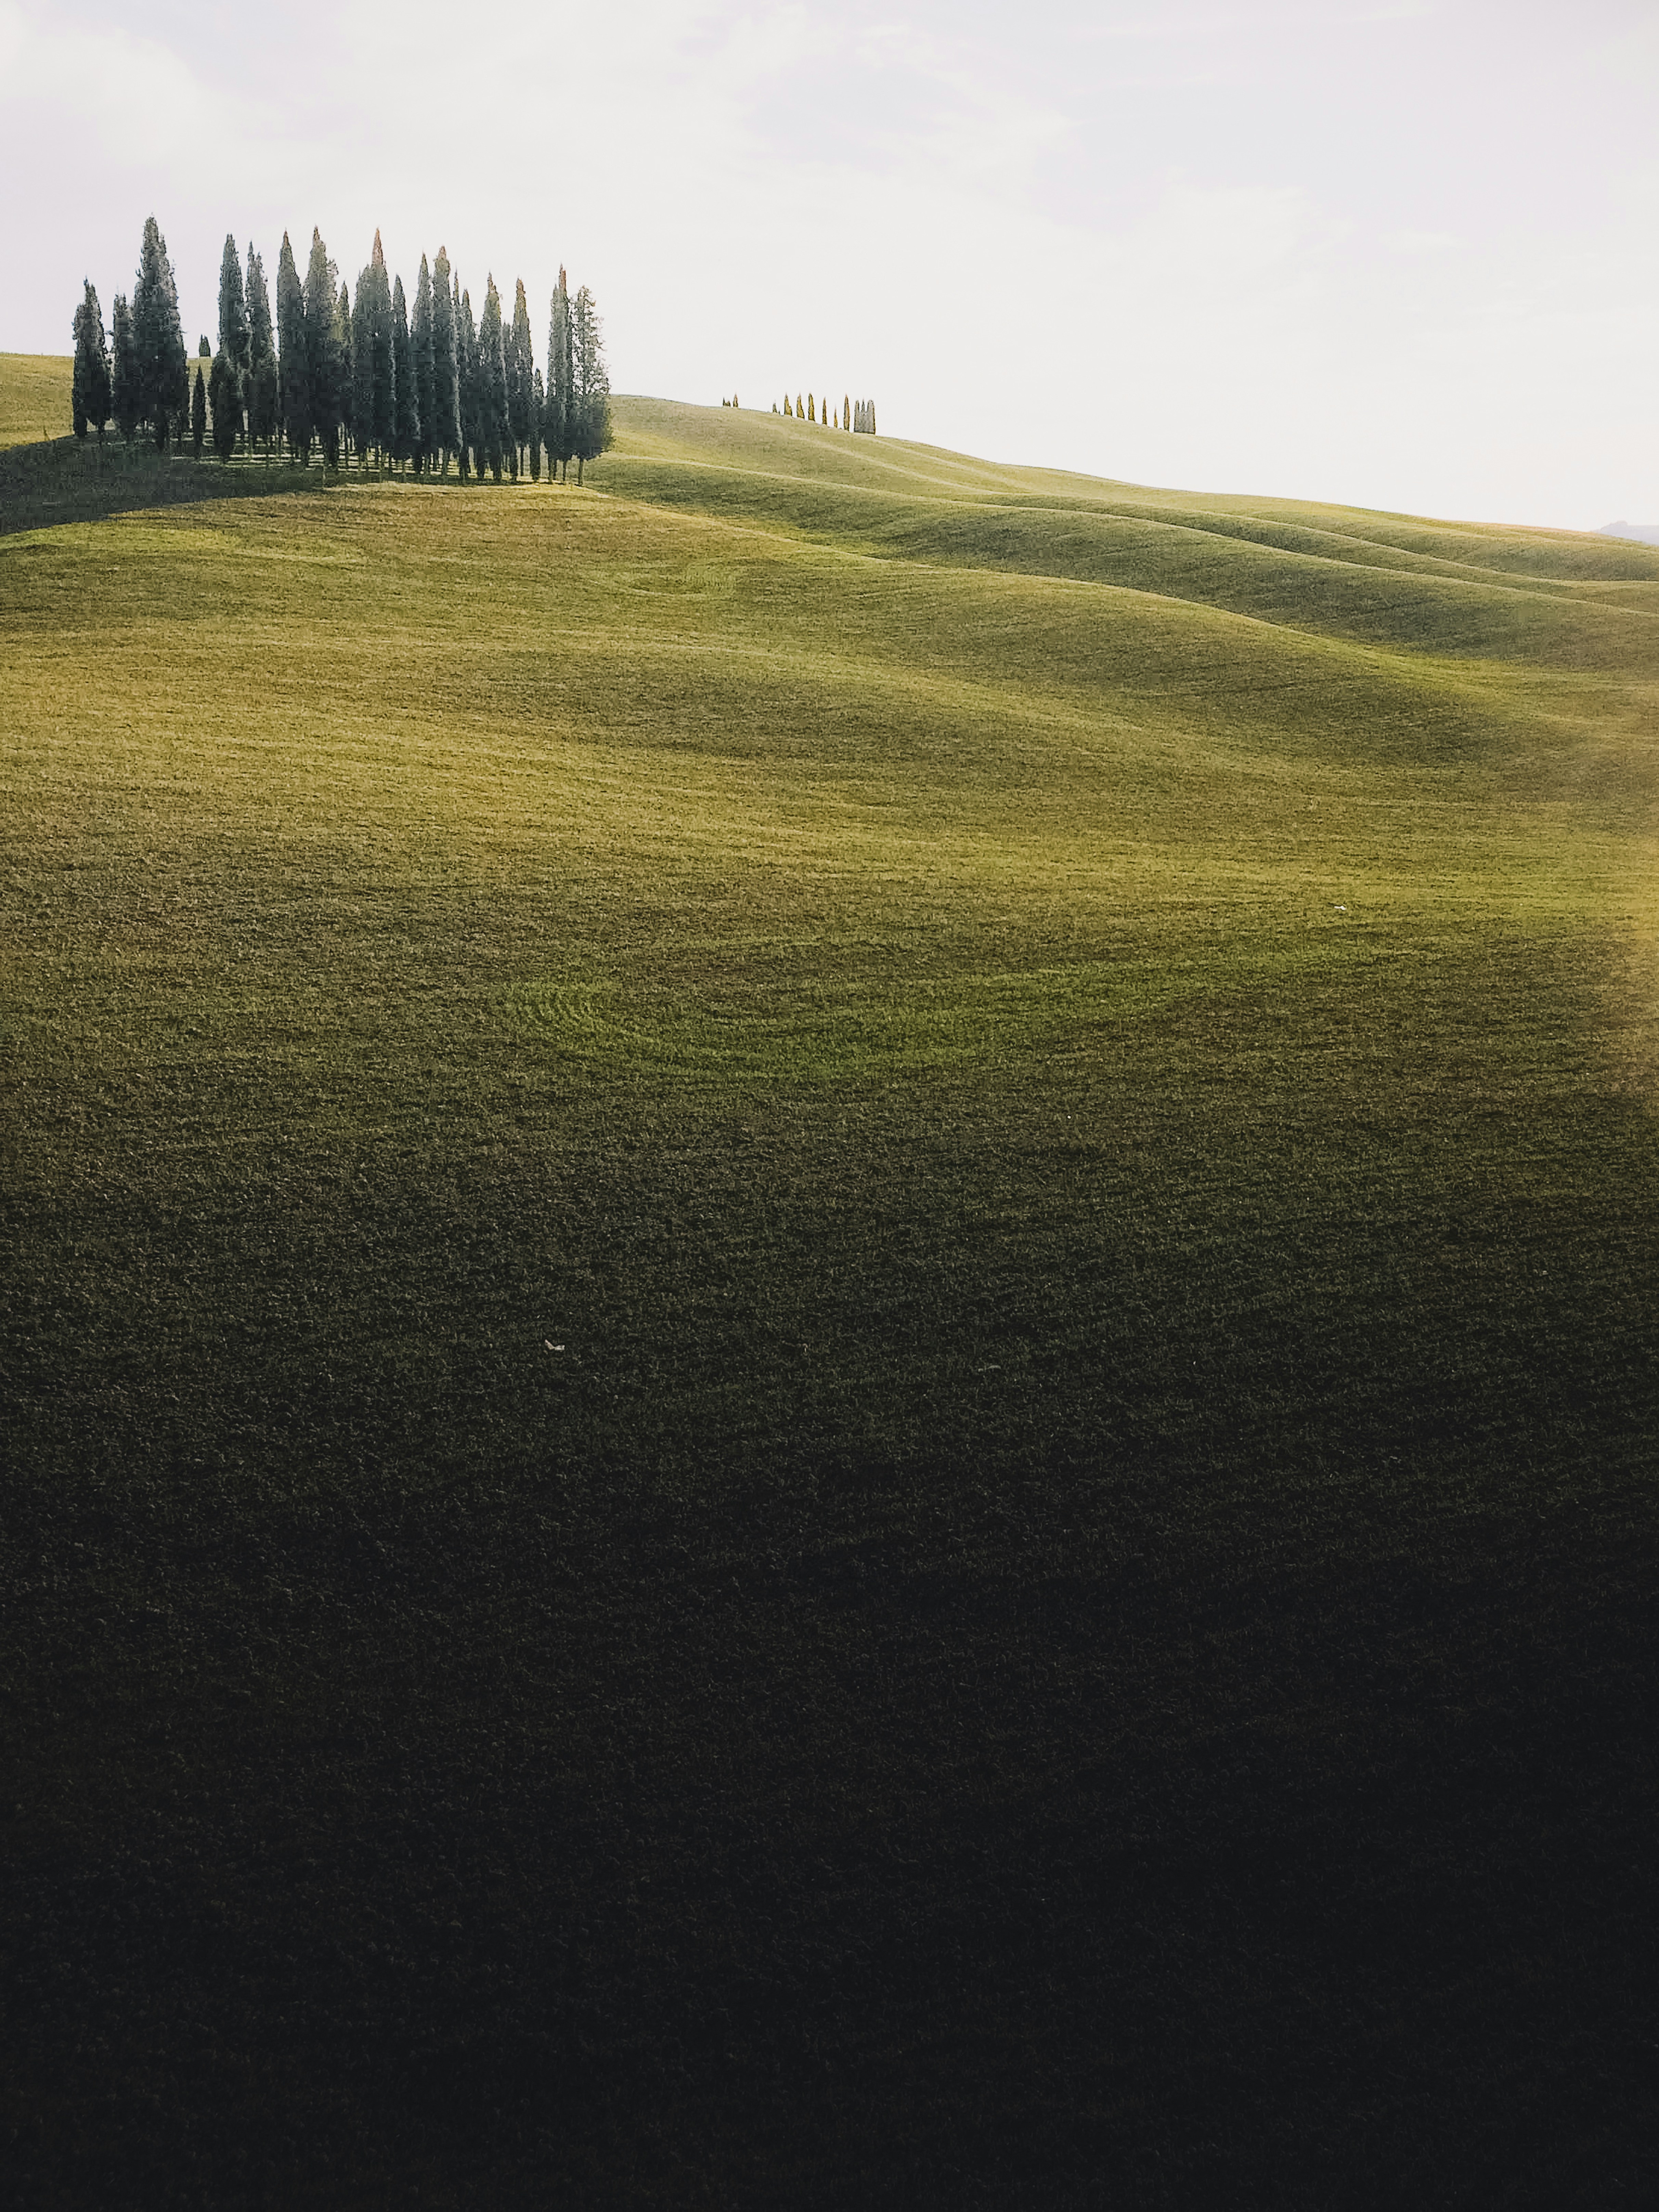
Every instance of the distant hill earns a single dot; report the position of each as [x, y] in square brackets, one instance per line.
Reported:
[1645, 533]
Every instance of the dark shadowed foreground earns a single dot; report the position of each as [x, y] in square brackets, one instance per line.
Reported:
[829, 1306]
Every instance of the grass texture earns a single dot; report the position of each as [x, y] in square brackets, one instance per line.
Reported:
[830, 1309]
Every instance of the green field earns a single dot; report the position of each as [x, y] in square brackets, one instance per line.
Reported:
[831, 1338]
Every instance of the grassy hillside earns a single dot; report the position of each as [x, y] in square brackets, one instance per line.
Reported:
[831, 1326]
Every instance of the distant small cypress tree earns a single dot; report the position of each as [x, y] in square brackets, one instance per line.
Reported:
[538, 410]
[198, 415]
[405, 413]
[445, 435]
[846, 412]
[788, 409]
[225, 403]
[260, 395]
[799, 410]
[90, 398]
[124, 378]
[419, 340]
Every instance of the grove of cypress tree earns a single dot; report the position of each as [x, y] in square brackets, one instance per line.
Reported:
[556, 413]
[198, 415]
[521, 373]
[90, 398]
[492, 382]
[225, 401]
[466, 355]
[419, 340]
[294, 363]
[124, 378]
[405, 418]
[590, 382]
[444, 432]
[158, 343]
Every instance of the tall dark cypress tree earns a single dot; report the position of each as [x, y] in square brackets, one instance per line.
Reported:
[198, 415]
[555, 420]
[235, 334]
[224, 403]
[124, 380]
[157, 340]
[345, 345]
[89, 398]
[406, 414]
[323, 343]
[385, 427]
[520, 376]
[294, 363]
[445, 437]
[262, 395]
[590, 382]
[492, 380]
[420, 341]
[466, 356]
[538, 416]
[362, 364]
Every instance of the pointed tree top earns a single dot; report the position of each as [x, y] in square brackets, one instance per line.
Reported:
[561, 283]
[377, 259]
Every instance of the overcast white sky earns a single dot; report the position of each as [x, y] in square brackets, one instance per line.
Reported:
[1405, 254]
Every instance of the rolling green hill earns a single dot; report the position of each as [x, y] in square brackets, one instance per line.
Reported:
[830, 1331]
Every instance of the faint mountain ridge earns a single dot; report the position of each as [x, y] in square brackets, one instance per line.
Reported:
[1645, 533]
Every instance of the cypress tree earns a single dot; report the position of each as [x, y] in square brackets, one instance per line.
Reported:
[492, 381]
[235, 335]
[327, 357]
[158, 343]
[380, 428]
[261, 398]
[467, 359]
[198, 415]
[343, 347]
[405, 419]
[298, 427]
[420, 339]
[225, 400]
[556, 417]
[363, 367]
[538, 414]
[124, 381]
[89, 397]
[521, 375]
[590, 381]
[445, 436]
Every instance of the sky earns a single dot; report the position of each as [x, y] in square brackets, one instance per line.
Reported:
[1403, 256]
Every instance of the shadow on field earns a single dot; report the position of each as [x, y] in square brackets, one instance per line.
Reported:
[63, 481]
